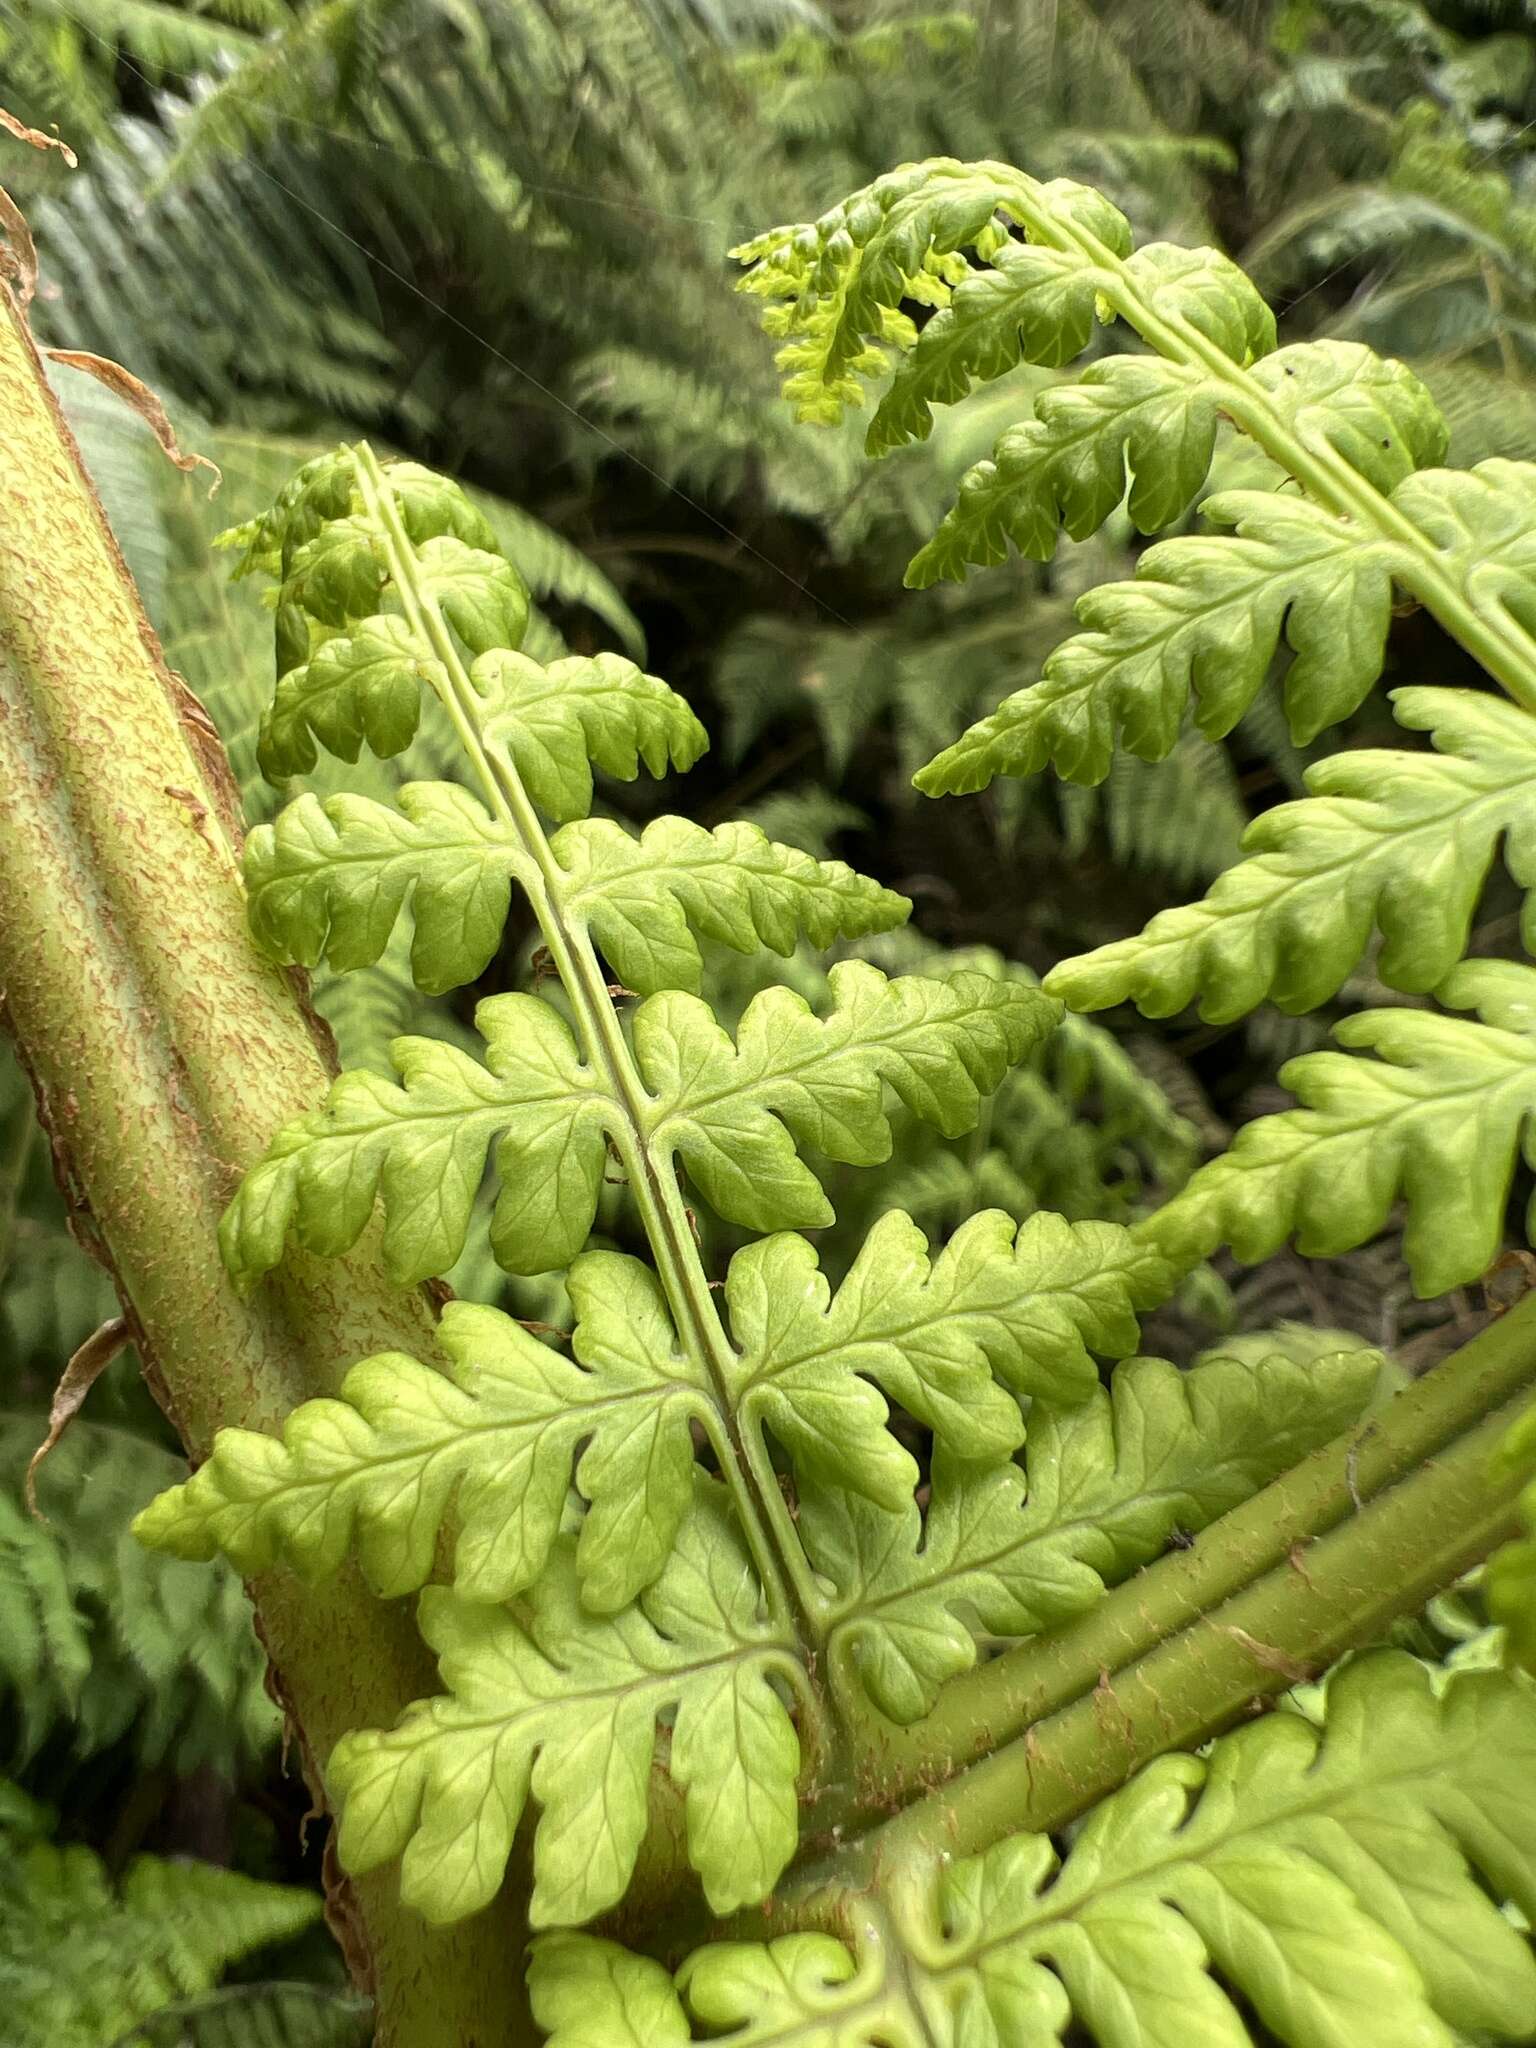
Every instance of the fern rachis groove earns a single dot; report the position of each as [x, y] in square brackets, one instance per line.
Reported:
[658, 1194]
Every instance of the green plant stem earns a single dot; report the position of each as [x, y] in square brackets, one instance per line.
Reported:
[1488, 632]
[1366, 1528]
[787, 1579]
[163, 1052]
[1339, 1592]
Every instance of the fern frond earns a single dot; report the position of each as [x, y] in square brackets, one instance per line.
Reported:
[1103, 1487]
[734, 1114]
[1483, 521]
[1202, 621]
[1436, 1120]
[1391, 841]
[1333, 413]
[421, 1145]
[1332, 1878]
[1067, 468]
[595, 711]
[353, 674]
[835, 288]
[623, 1524]
[1197, 630]
[377, 1470]
[329, 881]
[1024, 1306]
[1077, 1126]
[646, 898]
[940, 1046]
[835, 291]
[544, 1701]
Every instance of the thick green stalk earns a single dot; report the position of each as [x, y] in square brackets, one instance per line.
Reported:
[1366, 1528]
[788, 1582]
[1289, 1625]
[1483, 627]
[164, 1052]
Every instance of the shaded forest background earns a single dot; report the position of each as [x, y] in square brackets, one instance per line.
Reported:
[493, 235]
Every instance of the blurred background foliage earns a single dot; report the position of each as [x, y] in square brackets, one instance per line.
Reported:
[492, 235]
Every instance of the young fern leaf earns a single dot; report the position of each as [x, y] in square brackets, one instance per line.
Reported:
[1397, 842]
[734, 1113]
[1436, 1121]
[1201, 620]
[615, 1612]
[560, 722]
[939, 1044]
[556, 1678]
[543, 1700]
[1021, 1305]
[1344, 1881]
[375, 1472]
[1104, 1485]
[378, 1471]
[648, 900]
[835, 288]
[1484, 522]
[1066, 468]
[420, 1148]
[328, 882]
[363, 686]
[1350, 430]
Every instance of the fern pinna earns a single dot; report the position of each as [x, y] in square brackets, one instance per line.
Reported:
[1356, 515]
[708, 1589]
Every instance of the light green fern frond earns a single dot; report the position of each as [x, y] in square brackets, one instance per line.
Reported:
[1200, 625]
[734, 1114]
[329, 881]
[1437, 1120]
[945, 1336]
[544, 1700]
[1077, 1126]
[651, 1570]
[1392, 841]
[1331, 1878]
[1352, 515]
[1101, 1489]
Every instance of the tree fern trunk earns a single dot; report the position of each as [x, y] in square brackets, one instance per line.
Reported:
[164, 1052]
